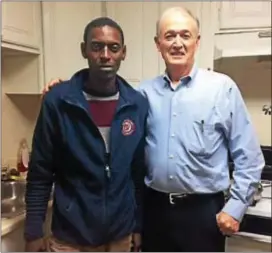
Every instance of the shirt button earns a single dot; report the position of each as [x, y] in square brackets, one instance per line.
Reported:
[174, 114]
[171, 177]
[171, 156]
[172, 135]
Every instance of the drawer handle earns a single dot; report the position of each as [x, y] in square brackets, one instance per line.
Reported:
[264, 34]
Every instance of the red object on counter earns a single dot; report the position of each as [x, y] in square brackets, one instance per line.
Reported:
[21, 167]
[23, 156]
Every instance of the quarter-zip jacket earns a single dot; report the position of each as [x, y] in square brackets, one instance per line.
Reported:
[96, 199]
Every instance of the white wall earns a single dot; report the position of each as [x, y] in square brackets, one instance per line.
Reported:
[254, 80]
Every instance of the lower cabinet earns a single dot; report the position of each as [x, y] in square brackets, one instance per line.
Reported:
[14, 241]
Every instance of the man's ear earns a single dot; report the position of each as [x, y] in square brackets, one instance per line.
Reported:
[198, 40]
[124, 52]
[157, 42]
[83, 50]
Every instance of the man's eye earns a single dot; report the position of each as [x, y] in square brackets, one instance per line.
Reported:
[114, 48]
[169, 37]
[96, 46]
[186, 36]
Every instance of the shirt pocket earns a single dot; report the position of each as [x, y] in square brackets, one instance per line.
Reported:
[203, 133]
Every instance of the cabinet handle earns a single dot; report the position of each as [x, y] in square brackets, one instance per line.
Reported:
[264, 34]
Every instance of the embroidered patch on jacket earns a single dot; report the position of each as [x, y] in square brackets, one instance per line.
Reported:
[128, 127]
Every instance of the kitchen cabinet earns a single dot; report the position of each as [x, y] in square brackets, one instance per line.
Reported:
[22, 71]
[244, 15]
[21, 25]
[138, 21]
[60, 56]
[63, 28]
[13, 240]
[21, 48]
[237, 22]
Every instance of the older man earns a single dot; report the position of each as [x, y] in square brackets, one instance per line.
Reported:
[195, 117]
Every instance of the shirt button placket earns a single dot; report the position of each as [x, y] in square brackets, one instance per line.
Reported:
[171, 139]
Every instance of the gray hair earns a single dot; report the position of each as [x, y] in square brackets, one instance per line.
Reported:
[180, 10]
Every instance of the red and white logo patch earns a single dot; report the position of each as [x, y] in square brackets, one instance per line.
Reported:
[128, 127]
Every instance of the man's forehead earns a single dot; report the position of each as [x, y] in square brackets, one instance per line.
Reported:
[178, 23]
[105, 33]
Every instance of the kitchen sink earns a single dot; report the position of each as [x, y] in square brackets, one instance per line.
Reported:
[12, 198]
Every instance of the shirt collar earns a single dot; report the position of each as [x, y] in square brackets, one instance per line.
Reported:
[184, 80]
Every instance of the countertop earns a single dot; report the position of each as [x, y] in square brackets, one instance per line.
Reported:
[10, 224]
[263, 209]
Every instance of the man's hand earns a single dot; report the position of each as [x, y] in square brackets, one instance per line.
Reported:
[52, 83]
[37, 245]
[227, 224]
[136, 242]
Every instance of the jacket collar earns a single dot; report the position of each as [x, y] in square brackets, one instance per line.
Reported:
[75, 95]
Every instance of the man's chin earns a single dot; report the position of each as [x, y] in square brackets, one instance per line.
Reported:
[107, 75]
[177, 63]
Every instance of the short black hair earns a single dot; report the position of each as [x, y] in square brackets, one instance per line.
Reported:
[100, 22]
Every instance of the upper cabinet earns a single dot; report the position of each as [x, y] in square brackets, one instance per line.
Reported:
[41, 41]
[47, 36]
[63, 28]
[244, 15]
[21, 47]
[138, 21]
[21, 25]
[242, 29]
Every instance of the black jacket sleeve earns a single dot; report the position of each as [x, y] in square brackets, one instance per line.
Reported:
[138, 173]
[40, 175]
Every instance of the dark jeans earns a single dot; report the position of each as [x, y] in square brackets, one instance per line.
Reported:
[189, 225]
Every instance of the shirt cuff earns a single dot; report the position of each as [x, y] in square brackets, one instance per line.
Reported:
[235, 208]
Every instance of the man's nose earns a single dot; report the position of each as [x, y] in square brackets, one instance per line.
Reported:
[178, 41]
[105, 54]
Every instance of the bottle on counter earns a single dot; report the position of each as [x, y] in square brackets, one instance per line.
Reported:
[23, 157]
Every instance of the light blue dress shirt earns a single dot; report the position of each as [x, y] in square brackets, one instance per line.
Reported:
[189, 132]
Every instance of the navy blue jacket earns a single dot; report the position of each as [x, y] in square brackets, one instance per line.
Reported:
[90, 206]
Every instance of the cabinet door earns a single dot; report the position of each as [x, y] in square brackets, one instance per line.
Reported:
[63, 28]
[241, 15]
[22, 23]
[14, 241]
[138, 21]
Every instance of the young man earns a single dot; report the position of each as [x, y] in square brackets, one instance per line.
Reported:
[89, 142]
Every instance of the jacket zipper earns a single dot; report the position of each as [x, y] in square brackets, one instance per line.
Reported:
[106, 163]
[106, 169]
